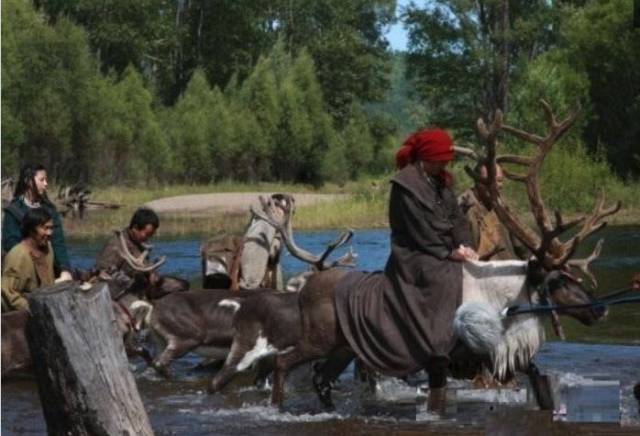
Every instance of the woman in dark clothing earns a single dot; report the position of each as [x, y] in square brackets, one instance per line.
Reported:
[31, 192]
[401, 321]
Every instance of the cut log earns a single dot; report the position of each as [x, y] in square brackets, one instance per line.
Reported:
[82, 371]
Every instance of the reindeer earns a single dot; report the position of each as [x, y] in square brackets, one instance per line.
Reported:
[225, 323]
[488, 287]
[250, 261]
[268, 323]
[124, 289]
[15, 347]
[75, 198]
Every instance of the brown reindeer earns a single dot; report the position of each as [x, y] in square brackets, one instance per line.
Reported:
[488, 287]
[268, 323]
[226, 323]
[15, 348]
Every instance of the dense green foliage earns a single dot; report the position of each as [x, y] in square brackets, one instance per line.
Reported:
[119, 92]
[90, 100]
[470, 57]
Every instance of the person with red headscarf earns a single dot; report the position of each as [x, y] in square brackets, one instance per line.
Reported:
[400, 321]
[422, 160]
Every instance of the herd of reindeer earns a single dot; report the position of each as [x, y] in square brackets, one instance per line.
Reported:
[245, 315]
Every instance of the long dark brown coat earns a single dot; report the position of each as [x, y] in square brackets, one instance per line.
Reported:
[397, 321]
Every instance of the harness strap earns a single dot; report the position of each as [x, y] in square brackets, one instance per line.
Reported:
[234, 273]
[518, 310]
[131, 322]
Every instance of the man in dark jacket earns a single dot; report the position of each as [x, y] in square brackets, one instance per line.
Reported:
[30, 193]
[142, 227]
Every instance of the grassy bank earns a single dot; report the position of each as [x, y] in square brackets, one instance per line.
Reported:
[358, 212]
[365, 208]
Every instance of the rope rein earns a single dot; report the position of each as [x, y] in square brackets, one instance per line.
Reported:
[610, 299]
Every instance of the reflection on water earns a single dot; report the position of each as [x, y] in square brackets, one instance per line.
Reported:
[181, 406]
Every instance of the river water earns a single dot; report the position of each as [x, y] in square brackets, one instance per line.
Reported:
[608, 351]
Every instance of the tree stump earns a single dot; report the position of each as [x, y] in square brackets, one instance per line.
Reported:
[80, 364]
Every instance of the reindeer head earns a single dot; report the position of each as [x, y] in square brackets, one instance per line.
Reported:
[221, 255]
[317, 262]
[552, 257]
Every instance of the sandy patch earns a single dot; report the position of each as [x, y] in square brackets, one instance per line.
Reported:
[228, 201]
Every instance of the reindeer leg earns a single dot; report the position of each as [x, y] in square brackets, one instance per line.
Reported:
[437, 369]
[241, 346]
[264, 368]
[328, 371]
[174, 350]
[284, 363]
[541, 387]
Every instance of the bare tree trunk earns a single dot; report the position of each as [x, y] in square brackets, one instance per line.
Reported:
[505, 60]
[80, 364]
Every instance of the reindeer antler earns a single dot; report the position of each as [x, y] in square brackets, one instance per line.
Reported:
[138, 263]
[547, 247]
[286, 230]
[583, 264]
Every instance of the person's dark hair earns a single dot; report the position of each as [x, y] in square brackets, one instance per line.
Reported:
[32, 219]
[142, 217]
[26, 178]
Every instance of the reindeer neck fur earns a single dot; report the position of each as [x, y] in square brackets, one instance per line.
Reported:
[496, 285]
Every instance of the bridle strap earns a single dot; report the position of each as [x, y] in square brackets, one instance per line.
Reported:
[131, 322]
[234, 273]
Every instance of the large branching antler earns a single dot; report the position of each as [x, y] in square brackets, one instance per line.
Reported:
[138, 263]
[546, 246]
[583, 264]
[319, 262]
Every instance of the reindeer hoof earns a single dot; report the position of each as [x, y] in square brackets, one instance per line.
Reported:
[437, 400]
[163, 371]
[324, 392]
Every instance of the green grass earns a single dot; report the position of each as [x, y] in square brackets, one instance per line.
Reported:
[571, 182]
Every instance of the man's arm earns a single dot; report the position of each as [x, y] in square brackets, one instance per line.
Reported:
[14, 280]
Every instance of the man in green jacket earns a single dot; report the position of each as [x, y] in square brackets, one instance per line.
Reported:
[29, 264]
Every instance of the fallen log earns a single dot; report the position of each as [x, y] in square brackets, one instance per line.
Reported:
[82, 371]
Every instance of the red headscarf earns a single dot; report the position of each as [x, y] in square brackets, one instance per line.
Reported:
[428, 144]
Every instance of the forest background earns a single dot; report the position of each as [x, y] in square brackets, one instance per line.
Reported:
[166, 92]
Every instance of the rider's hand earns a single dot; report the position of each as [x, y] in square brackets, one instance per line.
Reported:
[470, 253]
[463, 253]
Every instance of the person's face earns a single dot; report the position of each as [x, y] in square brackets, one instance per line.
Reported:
[42, 234]
[40, 183]
[143, 234]
[434, 168]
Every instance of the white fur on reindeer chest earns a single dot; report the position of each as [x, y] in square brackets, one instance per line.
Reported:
[488, 288]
